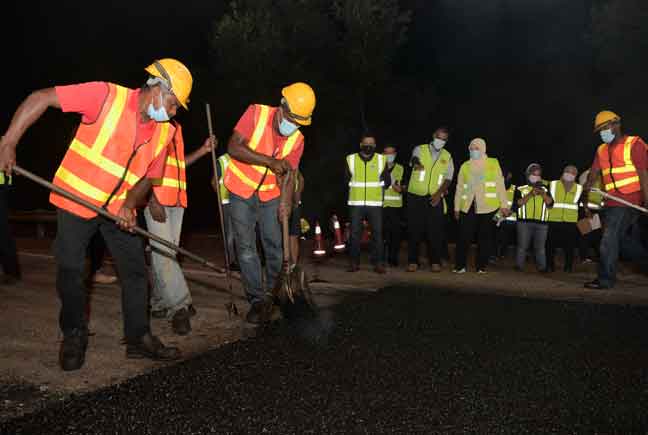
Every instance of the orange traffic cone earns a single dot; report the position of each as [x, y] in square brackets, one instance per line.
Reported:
[339, 243]
[319, 250]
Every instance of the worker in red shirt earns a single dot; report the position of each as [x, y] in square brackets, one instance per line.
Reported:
[118, 148]
[622, 163]
[265, 146]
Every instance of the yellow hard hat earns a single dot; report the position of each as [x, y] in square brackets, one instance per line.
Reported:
[603, 118]
[300, 99]
[176, 74]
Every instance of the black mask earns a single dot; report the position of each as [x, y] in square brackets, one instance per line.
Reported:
[367, 149]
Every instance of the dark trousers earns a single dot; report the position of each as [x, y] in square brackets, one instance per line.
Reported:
[505, 237]
[8, 256]
[616, 223]
[469, 224]
[392, 234]
[96, 253]
[375, 217]
[72, 238]
[424, 222]
[562, 235]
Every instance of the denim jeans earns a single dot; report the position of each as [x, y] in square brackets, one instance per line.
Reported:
[73, 235]
[246, 214]
[535, 232]
[169, 291]
[374, 216]
[616, 222]
[229, 232]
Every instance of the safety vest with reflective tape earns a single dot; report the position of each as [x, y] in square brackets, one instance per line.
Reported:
[101, 164]
[365, 186]
[595, 200]
[171, 189]
[491, 172]
[392, 198]
[510, 194]
[620, 173]
[535, 208]
[223, 162]
[5, 180]
[428, 180]
[565, 206]
[244, 179]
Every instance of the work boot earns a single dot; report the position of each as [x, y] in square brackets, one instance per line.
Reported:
[412, 267]
[180, 322]
[596, 285]
[73, 349]
[436, 268]
[259, 312]
[380, 269]
[149, 346]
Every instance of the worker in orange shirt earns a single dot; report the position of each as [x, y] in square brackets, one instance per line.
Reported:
[265, 146]
[118, 148]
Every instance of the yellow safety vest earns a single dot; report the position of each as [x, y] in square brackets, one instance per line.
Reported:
[535, 208]
[365, 186]
[223, 162]
[430, 179]
[5, 180]
[565, 207]
[392, 198]
[491, 172]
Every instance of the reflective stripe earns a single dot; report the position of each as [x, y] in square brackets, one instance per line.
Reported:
[509, 203]
[259, 128]
[110, 123]
[370, 203]
[244, 178]
[351, 164]
[174, 162]
[511, 218]
[99, 160]
[169, 182]
[390, 197]
[81, 186]
[490, 195]
[422, 175]
[490, 184]
[565, 206]
[367, 184]
[440, 182]
[225, 201]
[625, 182]
[381, 164]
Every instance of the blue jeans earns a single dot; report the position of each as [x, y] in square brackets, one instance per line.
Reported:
[229, 233]
[526, 233]
[246, 214]
[169, 291]
[616, 222]
[374, 216]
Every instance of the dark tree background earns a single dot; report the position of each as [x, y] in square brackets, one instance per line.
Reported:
[527, 75]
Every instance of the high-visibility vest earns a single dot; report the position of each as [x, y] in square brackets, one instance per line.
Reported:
[392, 198]
[510, 194]
[620, 173]
[171, 189]
[535, 208]
[365, 186]
[101, 165]
[565, 206]
[223, 162]
[428, 180]
[243, 179]
[491, 172]
[595, 200]
[4, 179]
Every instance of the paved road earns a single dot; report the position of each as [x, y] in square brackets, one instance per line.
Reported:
[405, 360]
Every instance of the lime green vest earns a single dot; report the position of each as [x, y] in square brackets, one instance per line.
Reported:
[428, 181]
[223, 161]
[5, 180]
[510, 194]
[595, 200]
[491, 172]
[365, 187]
[535, 208]
[565, 207]
[393, 198]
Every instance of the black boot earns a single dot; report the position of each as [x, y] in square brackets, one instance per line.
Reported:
[149, 346]
[73, 349]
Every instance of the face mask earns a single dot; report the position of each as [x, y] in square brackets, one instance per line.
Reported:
[569, 177]
[533, 179]
[475, 154]
[367, 149]
[157, 115]
[607, 136]
[438, 143]
[286, 128]
[390, 158]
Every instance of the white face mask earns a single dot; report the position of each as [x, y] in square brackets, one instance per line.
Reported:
[568, 177]
[533, 179]
[438, 143]
[607, 136]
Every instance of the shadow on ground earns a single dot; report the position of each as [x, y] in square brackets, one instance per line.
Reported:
[406, 360]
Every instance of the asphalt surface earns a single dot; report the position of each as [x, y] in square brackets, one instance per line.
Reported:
[402, 361]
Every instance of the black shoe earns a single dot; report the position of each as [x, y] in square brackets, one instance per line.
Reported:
[149, 346]
[596, 285]
[180, 322]
[159, 314]
[259, 312]
[73, 349]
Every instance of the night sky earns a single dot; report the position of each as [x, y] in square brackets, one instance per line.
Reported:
[526, 75]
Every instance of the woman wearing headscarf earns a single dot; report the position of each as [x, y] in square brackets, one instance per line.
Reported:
[480, 193]
[533, 201]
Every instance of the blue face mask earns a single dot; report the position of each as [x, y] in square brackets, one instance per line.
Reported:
[607, 136]
[390, 158]
[157, 115]
[286, 128]
[475, 154]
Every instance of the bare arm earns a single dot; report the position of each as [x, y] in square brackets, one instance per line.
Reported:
[238, 149]
[643, 180]
[29, 111]
[204, 149]
[138, 195]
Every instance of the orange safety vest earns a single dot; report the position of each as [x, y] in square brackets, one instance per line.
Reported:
[96, 165]
[171, 189]
[243, 179]
[620, 173]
